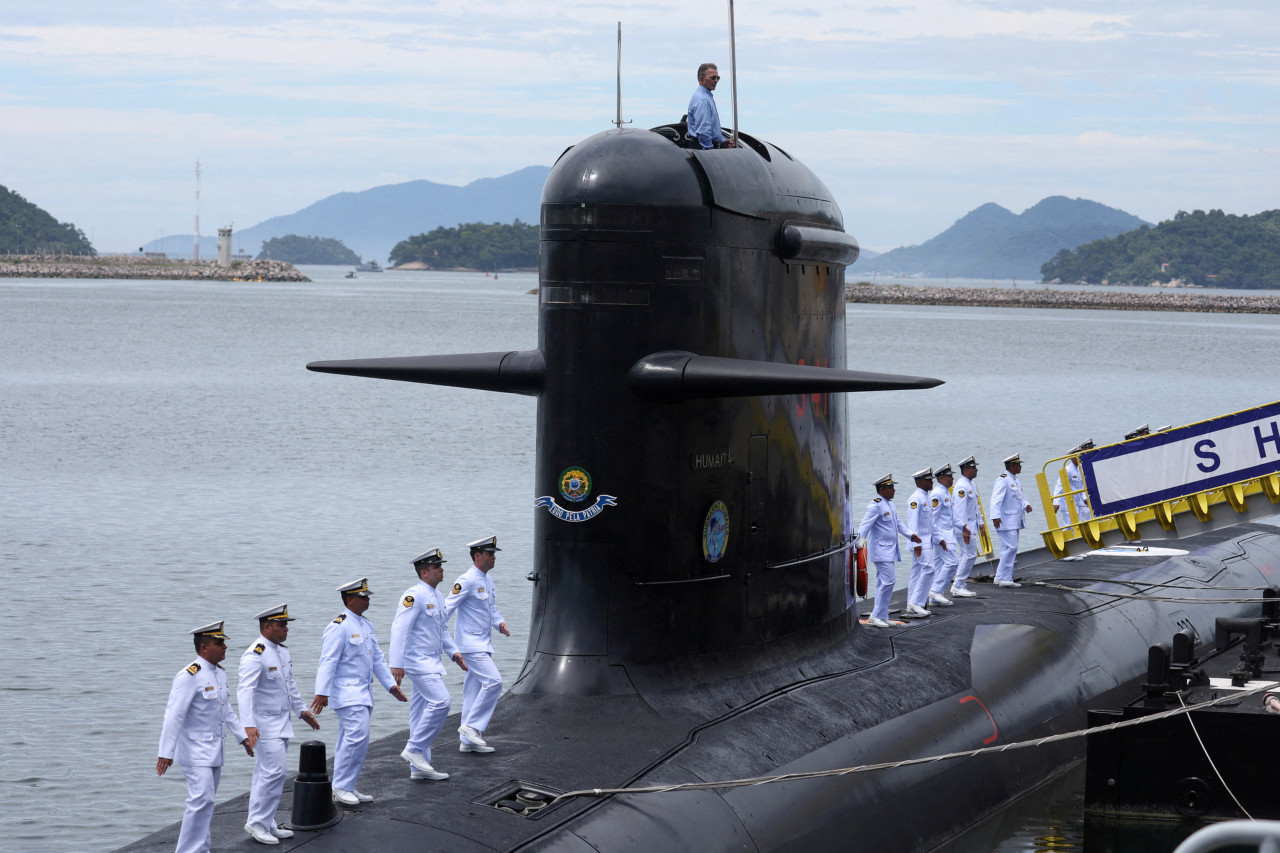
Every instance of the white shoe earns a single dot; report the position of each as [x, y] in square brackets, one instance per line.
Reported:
[962, 593]
[418, 760]
[280, 832]
[474, 747]
[430, 773]
[471, 734]
[260, 835]
[364, 798]
[1008, 584]
[347, 798]
[939, 599]
[877, 623]
[918, 610]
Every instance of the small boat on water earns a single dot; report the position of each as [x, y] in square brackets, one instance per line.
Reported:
[350, 275]
[372, 266]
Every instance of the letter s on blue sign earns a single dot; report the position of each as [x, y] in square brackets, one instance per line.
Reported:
[1204, 449]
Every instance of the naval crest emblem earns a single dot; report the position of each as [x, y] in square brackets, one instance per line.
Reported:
[715, 532]
[575, 484]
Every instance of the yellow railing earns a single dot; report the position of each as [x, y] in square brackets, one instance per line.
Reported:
[1092, 531]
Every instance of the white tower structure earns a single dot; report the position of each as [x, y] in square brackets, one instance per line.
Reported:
[224, 247]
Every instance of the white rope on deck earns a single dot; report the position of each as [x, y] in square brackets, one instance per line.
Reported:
[1146, 597]
[1233, 696]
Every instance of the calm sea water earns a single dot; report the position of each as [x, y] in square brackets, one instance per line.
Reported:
[166, 460]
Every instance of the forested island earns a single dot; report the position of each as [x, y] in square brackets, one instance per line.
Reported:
[307, 250]
[1211, 249]
[473, 245]
[24, 227]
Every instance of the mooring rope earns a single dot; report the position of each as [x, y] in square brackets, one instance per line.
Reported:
[1146, 597]
[1209, 757]
[1233, 696]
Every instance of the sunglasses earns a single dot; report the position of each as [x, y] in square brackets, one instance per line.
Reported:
[713, 76]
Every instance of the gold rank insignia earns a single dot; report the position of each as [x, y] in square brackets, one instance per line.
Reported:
[259, 649]
[431, 607]
[913, 504]
[935, 502]
[338, 621]
[1005, 474]
[408, 601]
[194, 668]
[457, 588]
[962, 493]
[878, 500]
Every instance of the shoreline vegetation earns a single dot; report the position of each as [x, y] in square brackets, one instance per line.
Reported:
[141, 267]
[1045, 297]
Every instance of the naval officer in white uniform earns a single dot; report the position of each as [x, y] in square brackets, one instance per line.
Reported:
[879, 533]
[198, 711]
[1008, 514]
[349, 659]
[268, 698]
[968, 524]
[944, 535]
[920, 523]
[1072, 469]
[419, 635]
[475, 601]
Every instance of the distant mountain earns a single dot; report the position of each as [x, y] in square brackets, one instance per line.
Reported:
[865, 255]
[1211, 249]
[26, 228]
[992, 242]
[371, 222]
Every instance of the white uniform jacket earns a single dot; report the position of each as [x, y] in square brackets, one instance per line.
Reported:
[964, 508]
[420, 631]
[1077, 482]
[349, 659]
[476, 603]
[267, 692]
[920, 517]
[1007, 503]
[943, 520]
[880, 527]
[199, 709]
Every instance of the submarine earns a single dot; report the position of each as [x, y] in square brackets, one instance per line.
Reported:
[694, 617]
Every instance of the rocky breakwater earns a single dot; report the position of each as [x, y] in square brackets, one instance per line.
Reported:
[134, 267]
[1043, 297]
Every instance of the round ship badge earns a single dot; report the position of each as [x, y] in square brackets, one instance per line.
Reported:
[575, 484]
[715, 532]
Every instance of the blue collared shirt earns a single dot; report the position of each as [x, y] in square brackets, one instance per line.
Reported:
[704, 118]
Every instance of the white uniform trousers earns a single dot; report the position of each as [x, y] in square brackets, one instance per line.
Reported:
[353, 745]
[944, 565]
[1008, 553]
[202, 790]
[270, 765]
[481, 687]
[921, 578]
[967, 556]
[428, 708]
[884, 590]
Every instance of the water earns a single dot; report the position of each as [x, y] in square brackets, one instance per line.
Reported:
[167, 461]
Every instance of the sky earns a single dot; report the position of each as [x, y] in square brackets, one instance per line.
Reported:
[912, 113]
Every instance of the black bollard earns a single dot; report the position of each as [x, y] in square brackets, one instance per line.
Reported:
[313, 806]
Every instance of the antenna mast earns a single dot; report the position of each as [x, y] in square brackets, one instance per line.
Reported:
[618, 122]
[196, 254]
[733, 70]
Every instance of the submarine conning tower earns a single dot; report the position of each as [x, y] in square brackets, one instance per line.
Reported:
[650, 247]
[691, 488]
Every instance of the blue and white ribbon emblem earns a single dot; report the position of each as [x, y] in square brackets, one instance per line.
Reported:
[575, 515]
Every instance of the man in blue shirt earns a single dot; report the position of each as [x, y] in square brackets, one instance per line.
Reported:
[704, 118]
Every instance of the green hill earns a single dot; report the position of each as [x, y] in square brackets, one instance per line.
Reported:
[27, 229]
[1211, 249]
[993, 242]
[308, 250]
[473, 245]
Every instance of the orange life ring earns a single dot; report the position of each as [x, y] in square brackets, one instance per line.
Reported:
[862, 572]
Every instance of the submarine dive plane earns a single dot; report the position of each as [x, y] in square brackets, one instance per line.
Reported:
[693, 619]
